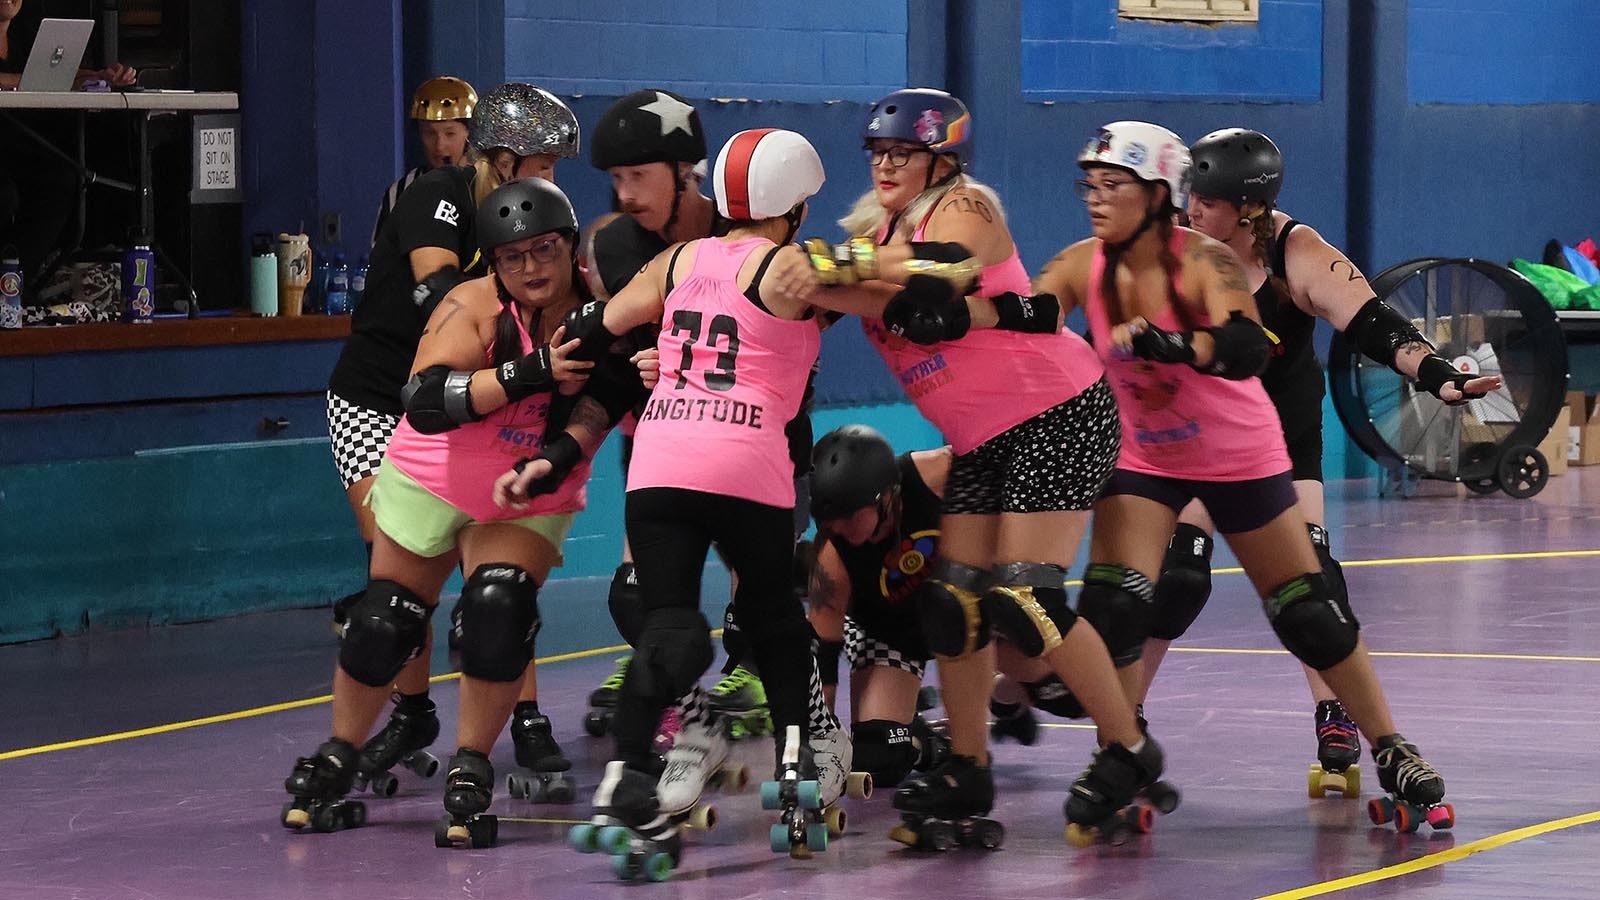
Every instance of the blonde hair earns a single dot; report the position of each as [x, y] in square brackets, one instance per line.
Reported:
[868, 216]
[488, 177]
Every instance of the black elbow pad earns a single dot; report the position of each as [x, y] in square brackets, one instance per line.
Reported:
[438, 400]
[429, 291]
[1241, 348]
[587, 323]
[1378, 332]
[614, 384]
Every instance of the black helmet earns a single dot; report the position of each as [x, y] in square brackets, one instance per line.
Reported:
[645, 127]
[851, 468]
[521, 209]
[527, 120]
[1237, 165]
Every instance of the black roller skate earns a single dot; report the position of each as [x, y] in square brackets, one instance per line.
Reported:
[933, 743]
[741, 699]
[1338, 754]
[1100, 806]
[603, 701]
[547, 780]
[797, 794]
[1160, 795]
[468, 790]
[318, 784]
[1415, 790]
[948, 806]
[629, 826]
[1013, 721]
[412, 727]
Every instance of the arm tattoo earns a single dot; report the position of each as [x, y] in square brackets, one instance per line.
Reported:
[967, 204]
[1226, 264]
[590, 415]
[1408, 346]
[1353, 274]
[455, 307]
[822, 587]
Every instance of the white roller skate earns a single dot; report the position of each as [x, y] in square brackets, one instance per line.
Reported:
[831, 754]
[698, 760]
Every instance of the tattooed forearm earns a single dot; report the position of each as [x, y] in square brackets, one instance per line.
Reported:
[590, 415]
[1225, 263]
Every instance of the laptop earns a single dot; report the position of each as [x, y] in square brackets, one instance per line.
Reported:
[57, 52]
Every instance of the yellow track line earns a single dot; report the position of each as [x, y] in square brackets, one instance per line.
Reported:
[1435, 859]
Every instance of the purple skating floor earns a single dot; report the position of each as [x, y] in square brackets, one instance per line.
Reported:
[1482, 611]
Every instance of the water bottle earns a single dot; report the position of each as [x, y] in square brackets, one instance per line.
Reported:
[317, 293]
[338, 302]
[263, 275]
[358, 284]
[10, 290]
[138, 282]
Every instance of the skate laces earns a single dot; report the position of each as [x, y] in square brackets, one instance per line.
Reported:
[738, 681]
[1405, 766]
[614, 681]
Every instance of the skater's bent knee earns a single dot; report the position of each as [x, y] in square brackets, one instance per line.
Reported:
[1313, 621]
[1028, 606]
[674, 650]
[386, 629]
[950, 609]
[1116, 601]
[1185, 583]
[499, 619]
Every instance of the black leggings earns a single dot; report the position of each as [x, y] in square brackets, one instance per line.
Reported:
[669, 532]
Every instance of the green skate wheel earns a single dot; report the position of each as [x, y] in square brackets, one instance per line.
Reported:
[770, 798]
[584, 838]
[817, 837]
[658, 867]
[778, 838]
[624, 866]
[809, 793]
[615, 839]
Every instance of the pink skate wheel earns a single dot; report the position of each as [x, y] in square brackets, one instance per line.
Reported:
[1442, 816]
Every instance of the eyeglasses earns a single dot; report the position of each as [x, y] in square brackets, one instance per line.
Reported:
[511, 261]
[1088, 190]
[898, 157]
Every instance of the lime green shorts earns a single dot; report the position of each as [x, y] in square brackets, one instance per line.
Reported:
[419, 521]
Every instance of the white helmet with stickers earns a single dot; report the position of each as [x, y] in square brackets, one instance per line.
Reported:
[1149, 151]
[763, 173]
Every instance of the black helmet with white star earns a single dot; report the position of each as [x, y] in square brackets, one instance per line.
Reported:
[645, 127]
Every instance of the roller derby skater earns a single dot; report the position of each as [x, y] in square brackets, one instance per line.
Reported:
[404, 740]
[545, 778]
[318, 786]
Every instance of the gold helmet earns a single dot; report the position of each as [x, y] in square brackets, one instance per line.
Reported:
[442, 99]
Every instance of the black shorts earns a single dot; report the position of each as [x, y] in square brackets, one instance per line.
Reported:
[1056, 461]
[1300, 411]
[1235, 506]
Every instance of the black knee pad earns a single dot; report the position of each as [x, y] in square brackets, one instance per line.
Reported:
[1116, 601]
[626, 603]
[1050, 695]
[1330, 566]
[674, 650]
[950, 609]
[1028, 605]
[885, 749]
[384, 630]
[1313, 621]
[1185, 583]
[498, 621]
[735, 643]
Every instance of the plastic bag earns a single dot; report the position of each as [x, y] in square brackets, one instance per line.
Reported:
[1557, 285]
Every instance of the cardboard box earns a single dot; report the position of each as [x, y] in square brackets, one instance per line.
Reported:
[1556, 445]
[1444, 328]
[1583, 429]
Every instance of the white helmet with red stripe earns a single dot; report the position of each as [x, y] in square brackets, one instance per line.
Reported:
[765, 172]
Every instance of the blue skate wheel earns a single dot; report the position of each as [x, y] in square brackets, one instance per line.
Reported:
[817, 836]
[770, 795]
[658, 867]
[778, 838]
[584, 838]
[623, 865]
[615, 839]
[809, 793]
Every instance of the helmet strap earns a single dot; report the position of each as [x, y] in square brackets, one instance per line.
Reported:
[680, 182]
[793, 217]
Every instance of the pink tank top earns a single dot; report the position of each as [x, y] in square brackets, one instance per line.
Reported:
[1178, 422]
[989, 381]
[732, 375]
[460, 466]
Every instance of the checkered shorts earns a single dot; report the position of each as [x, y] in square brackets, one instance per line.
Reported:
[863, 650]
[360, 437]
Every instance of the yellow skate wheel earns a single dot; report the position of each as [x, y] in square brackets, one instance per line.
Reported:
[1314, 786]
[1078, 836]
[835, 818]
[295, 817]
[703, 817]
[1352, 782]
[734, 779]
[859, 785]
[900, 834]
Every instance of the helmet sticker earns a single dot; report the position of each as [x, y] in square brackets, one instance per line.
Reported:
[1135, 153]
[673, 113]
[929, 126]
[873, 125]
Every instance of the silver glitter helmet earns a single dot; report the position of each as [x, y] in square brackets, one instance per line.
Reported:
[526, 120]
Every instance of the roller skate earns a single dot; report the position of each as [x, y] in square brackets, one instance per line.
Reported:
[318, 784]
[603, 701]
[1013, 721]
[412, 727]
[933, 743]
[468, 790]
[699, 760]
[741, 699]
[546, 780]
[628, 825]
[1415, 791]
[667, 731]
[797, 795]
[1159, 795]
[1100, 807]
[948, 806]
[832, 754]
[1338, 754]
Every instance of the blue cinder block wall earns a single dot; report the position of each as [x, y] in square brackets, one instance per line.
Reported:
[1429, 127]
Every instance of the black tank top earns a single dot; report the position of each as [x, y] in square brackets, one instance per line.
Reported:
[1293, 371]
[884, 574]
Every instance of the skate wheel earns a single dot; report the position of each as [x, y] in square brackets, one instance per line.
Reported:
[294, 817]
[733, 779]
[836, 819]
[809, 794]
[817, 837]
[900, 834]
[1380, 810]
[584, 838]
[517, 786]
[938, 836]
[658, 867]
[988, 834]
[483, 831]
[356, 814]
[441, 833]
[1143, 819]
[383, 784]
[595, 724]
[1314, 788]
[614, 839]
[1164, 797]
[770, 795]
[703, 817]
[625, 865]
[1406, 819]
[858, 786]
[778, 838]
[423, 763]
[1352, 784]
[561, 789]
[327, 817]
[1078, 836]
[1442, 817]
